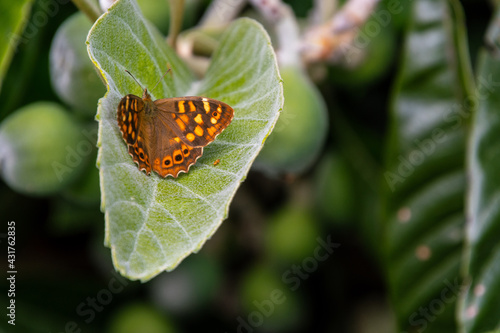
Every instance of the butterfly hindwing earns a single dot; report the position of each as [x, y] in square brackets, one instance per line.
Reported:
[172, 156]
[140, 150]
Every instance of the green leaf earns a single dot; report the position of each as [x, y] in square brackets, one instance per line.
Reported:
[425, 175]
[13, 17]
[480, 310]
[153, 223]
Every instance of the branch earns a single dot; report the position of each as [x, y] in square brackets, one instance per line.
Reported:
[176, 15]
[221, 12]
[330, 40]
[89, 8]
[285, 26]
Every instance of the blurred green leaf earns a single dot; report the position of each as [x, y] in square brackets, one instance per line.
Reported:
[425, 169]
[153, 223]
[481, 307]
[157, 12]
[13, 17]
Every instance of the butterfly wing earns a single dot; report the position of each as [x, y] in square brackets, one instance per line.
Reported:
[172, 155]
[195, 120]
[135, 129]
[169, 135]
[128, 117]
[140, 150]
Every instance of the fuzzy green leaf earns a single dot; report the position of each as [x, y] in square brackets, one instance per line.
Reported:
[424, 208]
[153, 223]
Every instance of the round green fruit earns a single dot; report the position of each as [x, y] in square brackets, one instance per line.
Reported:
[72, 74]
[300, 132]
[42, 149]
[291, 234]
[138, 317]
[268, 301]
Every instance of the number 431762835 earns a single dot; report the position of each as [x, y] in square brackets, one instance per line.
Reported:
[11, 240]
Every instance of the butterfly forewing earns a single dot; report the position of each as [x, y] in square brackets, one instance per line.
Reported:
[195, 120]
[129, 118]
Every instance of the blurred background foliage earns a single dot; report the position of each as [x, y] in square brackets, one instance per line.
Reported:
[319, 180]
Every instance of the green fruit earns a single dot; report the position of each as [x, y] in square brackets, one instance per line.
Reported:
[291, 234]
[140, 318]
[42, 149]
[300, 132]
[72, 74]
[269, 303]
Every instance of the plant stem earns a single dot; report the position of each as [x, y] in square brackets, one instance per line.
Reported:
[89, 8]
[221, 12]
[286, 28]
[176, 15]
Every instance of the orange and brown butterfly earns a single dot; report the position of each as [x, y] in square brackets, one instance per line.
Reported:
[168, 135]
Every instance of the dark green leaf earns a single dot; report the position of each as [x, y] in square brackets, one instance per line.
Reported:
[481, 307]
[425, 169]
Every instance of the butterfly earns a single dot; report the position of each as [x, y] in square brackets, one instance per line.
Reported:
[168, 135]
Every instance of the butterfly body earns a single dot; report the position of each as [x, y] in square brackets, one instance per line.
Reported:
[168, 135]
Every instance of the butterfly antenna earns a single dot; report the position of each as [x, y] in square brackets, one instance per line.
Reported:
[161, 78]
[134, 79]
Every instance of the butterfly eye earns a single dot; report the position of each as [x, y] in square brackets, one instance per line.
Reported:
[178, 157]
[215, 114]
[186, 151]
